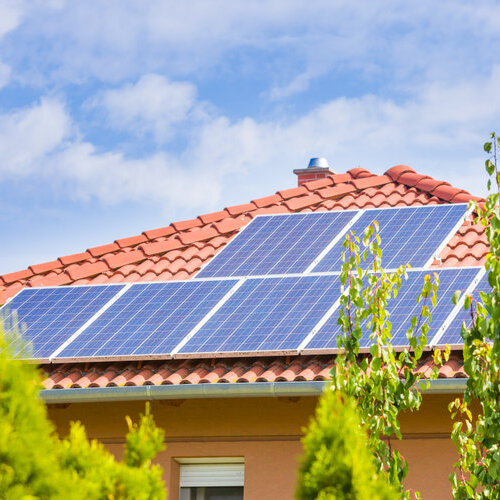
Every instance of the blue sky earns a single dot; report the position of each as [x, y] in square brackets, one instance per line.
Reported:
[122, 116]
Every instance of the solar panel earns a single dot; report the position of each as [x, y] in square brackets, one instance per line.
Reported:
[148, 319]
[279, 244]
[403, 307]
[267, 314]
[452, 335]
[50, 316]
[409, 235]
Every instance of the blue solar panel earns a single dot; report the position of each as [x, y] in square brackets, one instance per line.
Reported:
[267, 314]
[452, 334]
[409, 235]
[148, 319]
[49, 316]
[403, 307]
[277, 244]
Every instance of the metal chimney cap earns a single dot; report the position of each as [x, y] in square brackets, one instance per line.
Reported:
[318, 163]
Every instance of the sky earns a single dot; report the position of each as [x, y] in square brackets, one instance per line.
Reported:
[121, 116]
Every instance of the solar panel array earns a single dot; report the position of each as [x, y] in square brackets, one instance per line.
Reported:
[296, 243]
[404, 307]
[267, 314]
[280, 244]
[148, 319]
[409, 235]
[50, 316]
[452, 334]
[272, 289]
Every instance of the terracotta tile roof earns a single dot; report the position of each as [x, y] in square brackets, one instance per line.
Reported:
[179, 250]
[237, 370]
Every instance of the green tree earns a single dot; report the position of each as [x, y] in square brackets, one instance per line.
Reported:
[336, 463]
[36, 464]
[386, 382]
[477, 439]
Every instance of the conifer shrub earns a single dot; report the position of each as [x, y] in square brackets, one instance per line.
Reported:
[36, 464]
[337, 463]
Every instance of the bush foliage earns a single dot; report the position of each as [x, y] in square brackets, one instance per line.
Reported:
[477, 439]
[337, 463]
[36, 464]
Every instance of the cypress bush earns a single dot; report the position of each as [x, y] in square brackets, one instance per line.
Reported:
[337, 463]
[36, 464]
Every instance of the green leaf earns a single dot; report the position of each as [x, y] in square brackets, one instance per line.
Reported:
[467, 302]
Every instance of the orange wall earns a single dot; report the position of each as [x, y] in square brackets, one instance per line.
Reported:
[266, 432]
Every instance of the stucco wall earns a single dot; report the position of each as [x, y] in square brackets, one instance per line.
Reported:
[266, 432]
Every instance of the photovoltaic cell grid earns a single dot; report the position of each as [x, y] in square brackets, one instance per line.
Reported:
[267, 314]
[48, 317]
[404, 307]
[280, 244]
[409, 235]
[452, 334]
[148, 319]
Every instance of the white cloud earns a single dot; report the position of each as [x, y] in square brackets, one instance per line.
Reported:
[112, 178]
[11, 13]
[438, 132]
[398, 43]
[29, 135]
[153, 104]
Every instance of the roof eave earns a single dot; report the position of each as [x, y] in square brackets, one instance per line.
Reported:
[217, 390]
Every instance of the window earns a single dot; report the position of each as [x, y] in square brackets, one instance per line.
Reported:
[203, 480]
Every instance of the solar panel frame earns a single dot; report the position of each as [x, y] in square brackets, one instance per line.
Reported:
[62, 358]
[339, 214]
[316, 260]
[335, 285]
[429, 346]
[66, 294]
[453, 325]
[337, 249]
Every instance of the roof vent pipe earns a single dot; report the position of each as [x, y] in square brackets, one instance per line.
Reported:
[318, 168]
[318, 163]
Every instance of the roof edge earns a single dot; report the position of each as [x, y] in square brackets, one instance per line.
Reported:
[217, 390]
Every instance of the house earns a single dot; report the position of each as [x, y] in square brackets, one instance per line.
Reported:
[226, 418]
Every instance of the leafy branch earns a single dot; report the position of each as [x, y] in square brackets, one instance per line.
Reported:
[387, 382]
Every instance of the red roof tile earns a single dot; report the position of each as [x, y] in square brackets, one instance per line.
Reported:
[183, 225]
[230, 370]
[303, 202]
[213, 217]
[118, 260]
[131, 241]
[240, 209]
[286, 194]
[159, 233]
[17, 276]
[103, 249]
[86, 270]
[46, 267]
[76, 257]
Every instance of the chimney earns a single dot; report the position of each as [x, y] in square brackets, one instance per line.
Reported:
[318, 168]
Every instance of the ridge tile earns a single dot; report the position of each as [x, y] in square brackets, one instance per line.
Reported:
[66, 260]
[103, 249]
[121, 259]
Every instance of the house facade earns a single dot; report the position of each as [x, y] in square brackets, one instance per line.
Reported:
[236, 423]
